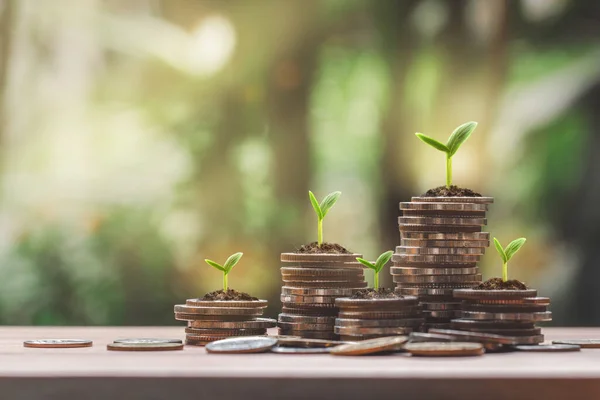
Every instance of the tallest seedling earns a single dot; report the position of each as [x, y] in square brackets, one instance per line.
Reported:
[458, 137]
[322, 210]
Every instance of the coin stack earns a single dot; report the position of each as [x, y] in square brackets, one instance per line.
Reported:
[361, 319]
[312, 283]
[216, 320]
[503, 312]
[441, 243]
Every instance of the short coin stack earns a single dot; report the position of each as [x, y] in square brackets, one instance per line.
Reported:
[216, 320]
[361, 319]
[503, 312]
[312, 282]
[441, 243]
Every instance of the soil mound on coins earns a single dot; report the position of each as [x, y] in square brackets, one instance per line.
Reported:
[452, 191]
[325, 248]
[229, 295]
[499, 284]
[376, 294]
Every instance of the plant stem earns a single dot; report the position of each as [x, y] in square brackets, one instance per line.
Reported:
[376, 283]
[320, 232]
[448, 171]
[225, 285]
[504, 272]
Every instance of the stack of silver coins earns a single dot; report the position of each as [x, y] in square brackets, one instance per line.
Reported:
[311, 284]
[503, 312]
[216, 320]
[361, 319]
[441, 243]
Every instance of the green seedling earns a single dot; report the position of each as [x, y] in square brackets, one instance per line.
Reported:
[377, 266]
[322, 210]
[227, 267]
[507, 253]
[458, 137]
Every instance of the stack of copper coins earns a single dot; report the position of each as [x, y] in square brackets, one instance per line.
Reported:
[311, 283]
[441, 243]
[361, 319]
[503, 312]
[216, 320]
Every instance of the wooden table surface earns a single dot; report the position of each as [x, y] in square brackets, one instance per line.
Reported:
[94, 373]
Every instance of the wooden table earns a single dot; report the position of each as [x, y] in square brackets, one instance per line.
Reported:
[95, 373]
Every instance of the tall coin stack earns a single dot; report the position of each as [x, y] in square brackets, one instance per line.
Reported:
[441, 243]
[361, 319]
[216, 320]
[311, 284]
[503, 312]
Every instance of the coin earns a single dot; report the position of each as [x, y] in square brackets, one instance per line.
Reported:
[194, 342]
[503, 308]
[415, 271]
[537, 300]
[318, 257]
[490, 324]
[326, 285]
[308, 299]
[476, 336]
[348, 303]
[444, 349]
[440, 250]
[305, 327]
[378, 323]
[551, 348]
[57, 343]
[227, 303]
[583, 343]
[433, 259]
[466, 207]
[510, 332]
[300, 350]
[534, 317]
[442, 221]
[455, 199]
[446, 235]
[430, 337]
[218, 311]
[306, 319]
[256, 323]
[493, 294]
[307, 343]
[374, 315]
[371, 346]
[322, 273]
[286, 290]
[404, 228]
[251, 344]
[445, 243]
[322, 306]
[144, 346]
[427, 306]
[212, 318]
[225, 332]
[310, 334]
[437, 278]
[310, 312]
[147, 340]
[424, 291]
[352, 330]
[446, 314]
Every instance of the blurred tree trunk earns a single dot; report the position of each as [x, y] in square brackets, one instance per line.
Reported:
[7, 8]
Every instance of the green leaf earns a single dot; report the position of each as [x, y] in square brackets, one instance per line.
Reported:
[215, 265]
[366, 263]
[513, 247]
[433, 143]
[500, 250]
[328, 202]
[231, 261]
[383, 259]
[459, 136]
[315, 204]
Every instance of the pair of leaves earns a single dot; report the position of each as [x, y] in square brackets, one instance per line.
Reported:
[507, 253]
[229, 264]
[379, 264]
[458, 137]
[328, 202]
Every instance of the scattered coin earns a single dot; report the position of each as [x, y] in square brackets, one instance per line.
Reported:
[430, 337]
[57, 343]
[551, 348]
[307, 343]
[371, 346]
[248, 344]
[147, 340]
[583, 343]
[144, 346]
[300, 350]
[444, 349]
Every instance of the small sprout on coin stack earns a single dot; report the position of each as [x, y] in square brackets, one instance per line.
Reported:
[507, 253]
[322, 209]
[458, 137]
[227, 267]
[377, 266]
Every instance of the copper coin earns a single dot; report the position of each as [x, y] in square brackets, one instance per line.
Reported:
[436, 278]
[533, 317]
[440, 250]
[472, 294]
[318, 257]
[327, 327]
[287, 290]
[441, 206]
[323, 273]
[445, 243]
[505, 308]
[256, 323]
[442, 221]
[444, 349]
[57, 343]
[371, 346]
[144, 346]
[218, 311]
[353, 331]
[413, 312]
[306, 319]
[433, 259]
[429, 306]
[415, 271]
[226, 303]
[446, 235]
[226, 332]
[378, 323]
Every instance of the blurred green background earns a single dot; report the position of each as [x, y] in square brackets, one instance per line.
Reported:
[139, 137]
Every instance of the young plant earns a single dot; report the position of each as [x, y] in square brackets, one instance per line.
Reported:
[322, 210]
[227, 267]
[458, 137]
[377, 266]
[507, 253]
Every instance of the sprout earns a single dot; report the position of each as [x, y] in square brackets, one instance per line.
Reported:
[381, 261]
[458, 137]
[322, 210]
[227, 267]
[507, 253]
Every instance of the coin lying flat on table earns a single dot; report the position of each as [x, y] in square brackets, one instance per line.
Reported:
[301, 350]
[371, 346]
[144, 346]
[147, 340]
[550, 348]
[444, 349]
[250, 344]
[57, 343]
[583, 343]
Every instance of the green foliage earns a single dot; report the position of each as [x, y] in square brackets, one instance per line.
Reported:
[507, 253]
[227, 267]
[378, 265]
[322, 209]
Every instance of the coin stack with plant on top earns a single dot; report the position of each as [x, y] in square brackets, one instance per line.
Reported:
[313, 278]
[441, 240]
[377, 312]
[224, 313]
[503, 307]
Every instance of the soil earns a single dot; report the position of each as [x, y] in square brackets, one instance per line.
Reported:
[376, 294]
[325, 248]
[499, 284]
[229, 295]
[452, 191]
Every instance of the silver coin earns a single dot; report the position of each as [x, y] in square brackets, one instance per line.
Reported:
[440, 250]
[433, 259]
[249, 344]
[411, 312]
[433, 271]
[287, 290]
[57, 343]
[424, 291]
[445, 236]
[443, 349]
[381, 323]
[184, 309]
[445, 243]
[441, 206]
[583, 343]
[144, 346]
[256, 323]
[533, 317]
[303, 319]
[147, 340]
[318, 258]
[472, 294]
[328, 327]
[431, 306]
[456, 199]
[322, 273]
[300, 350]
[551, 348]
[430, 337]
[449, 221]
[437, 278]
[380, 304]
[308, 299]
